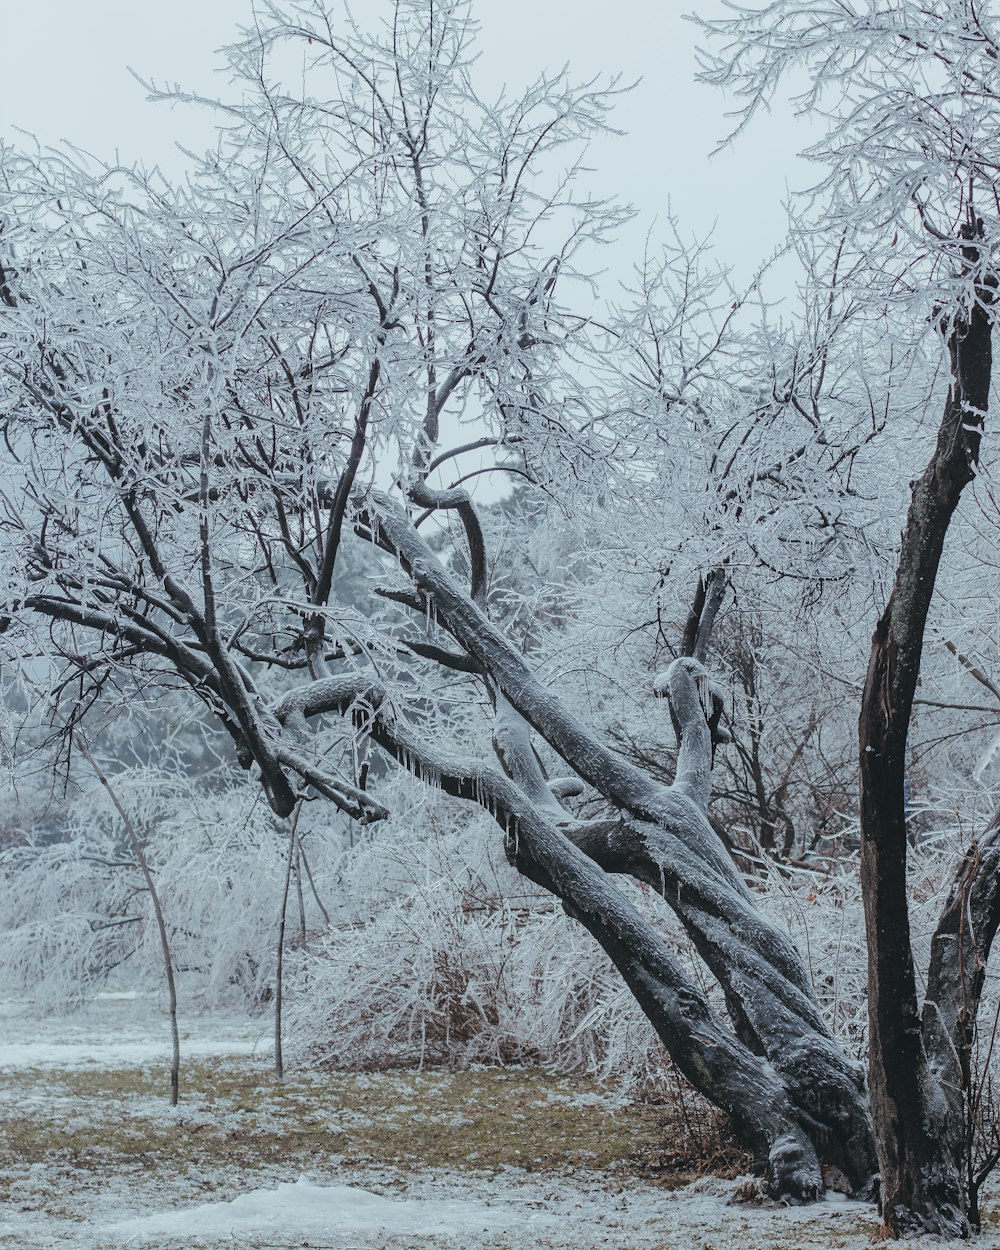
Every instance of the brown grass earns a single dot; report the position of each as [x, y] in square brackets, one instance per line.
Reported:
[235, 1116]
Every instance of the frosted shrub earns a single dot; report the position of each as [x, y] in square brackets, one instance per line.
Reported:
[75, 916]
[66, 923]
[443, 954]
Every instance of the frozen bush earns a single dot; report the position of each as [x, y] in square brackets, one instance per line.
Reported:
[75, 916]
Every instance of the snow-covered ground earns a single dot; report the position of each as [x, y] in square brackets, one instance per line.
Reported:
[304, 1213]
[459, 1213]
[118, 1029]
[339, 1205]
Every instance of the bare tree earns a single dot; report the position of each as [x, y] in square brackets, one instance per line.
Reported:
[218, 396]
[200, 385]
[138, 851]
[912, 153]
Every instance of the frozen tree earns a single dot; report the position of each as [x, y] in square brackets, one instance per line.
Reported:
[206, 388]
[232, 414]
[911, 156]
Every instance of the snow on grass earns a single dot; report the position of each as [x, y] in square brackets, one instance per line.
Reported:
[517, 1215]
[93, 1158]
[304, 1208]
[462, 1212]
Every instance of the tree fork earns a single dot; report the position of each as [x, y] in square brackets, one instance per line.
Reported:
[919, 1157]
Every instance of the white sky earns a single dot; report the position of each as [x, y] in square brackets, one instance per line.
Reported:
[66, 77]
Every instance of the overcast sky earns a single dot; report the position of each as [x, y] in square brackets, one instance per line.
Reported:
[66, 77]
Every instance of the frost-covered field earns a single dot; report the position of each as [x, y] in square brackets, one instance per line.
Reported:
[93, 1157]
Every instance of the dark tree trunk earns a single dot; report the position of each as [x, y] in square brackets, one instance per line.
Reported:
[919, 1155]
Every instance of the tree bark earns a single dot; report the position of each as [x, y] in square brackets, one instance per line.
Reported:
[922, 1189]
[662, 835]
[960, 950]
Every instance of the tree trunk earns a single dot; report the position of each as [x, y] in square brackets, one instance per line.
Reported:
[662, 835]
[539, 840]
[960, 949]
[765, 1118]
[919, 1156]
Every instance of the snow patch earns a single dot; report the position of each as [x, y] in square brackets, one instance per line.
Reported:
[19, 1055]
[305, 1207]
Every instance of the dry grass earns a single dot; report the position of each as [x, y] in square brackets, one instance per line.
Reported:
[76, 1144]
[66, 1131]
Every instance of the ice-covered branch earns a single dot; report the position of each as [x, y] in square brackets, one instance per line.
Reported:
[512, 744]
[664, 837]
[688, 689]
[620, 781]
[460, 501]
[709, 594]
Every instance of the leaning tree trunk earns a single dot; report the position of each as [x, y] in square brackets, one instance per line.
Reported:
[768, 996]
[662, 835]
[918, 1138]
[731, 1075]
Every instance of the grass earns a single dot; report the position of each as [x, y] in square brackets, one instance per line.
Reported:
[74, 1128]
[76, 1144]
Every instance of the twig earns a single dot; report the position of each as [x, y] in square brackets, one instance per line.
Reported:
[972, 670]
[136, 844]
[279, 1062]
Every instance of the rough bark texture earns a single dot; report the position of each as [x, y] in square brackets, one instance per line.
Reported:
[960, 949]
[919, 1152]
[662, 835]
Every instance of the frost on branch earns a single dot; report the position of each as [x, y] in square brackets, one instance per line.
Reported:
[662, 836]
[201, 385]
